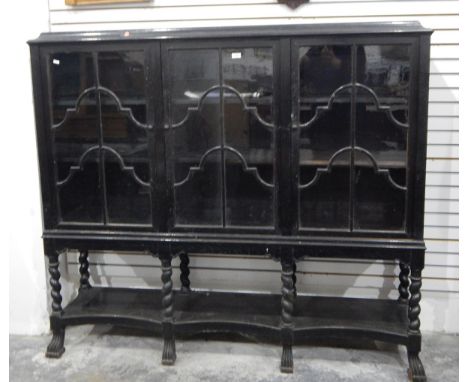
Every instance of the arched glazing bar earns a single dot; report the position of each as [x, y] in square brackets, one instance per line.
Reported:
[319, 110]
[103, 90]
[245, 166]
[245, 107]
[328, 168]
[79, 166]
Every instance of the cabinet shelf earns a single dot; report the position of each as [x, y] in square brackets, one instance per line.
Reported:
[254, 157]
[398, 102]
[252, 314]
[385, 159]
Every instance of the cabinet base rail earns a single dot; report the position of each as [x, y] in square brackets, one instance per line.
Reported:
[255, 316]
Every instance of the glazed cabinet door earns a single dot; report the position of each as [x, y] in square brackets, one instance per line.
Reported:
[352, 113]
[220, 122]
[99, 129]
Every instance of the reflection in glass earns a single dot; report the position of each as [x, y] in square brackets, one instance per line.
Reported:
[323, 69]
[387, 72]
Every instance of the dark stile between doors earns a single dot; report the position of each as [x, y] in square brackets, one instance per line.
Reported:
[285, 141]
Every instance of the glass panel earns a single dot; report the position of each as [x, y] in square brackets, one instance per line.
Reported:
[387, 72]
[384, 132]
[128, 200]
[384, 139]
[196, 137]
[378, 204]
[125, 140]
[325, 202]
[80, 197]
[324, 114]
[381, 131]
[123, 135]
[124, 74]
[323, 69]
[71, 74]
[249, 72]
[76, 137]
[76, 134]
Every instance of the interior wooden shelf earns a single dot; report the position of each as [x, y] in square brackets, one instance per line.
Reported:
[384, 158]
[254, 157]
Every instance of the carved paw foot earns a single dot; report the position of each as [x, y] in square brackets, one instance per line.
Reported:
[416, 369]
[55, 348]
[169, 352]
[287, 360]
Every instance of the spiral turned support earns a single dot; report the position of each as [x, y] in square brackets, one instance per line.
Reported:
[294, 279]
[184, 272]
[55, 284]
[55, 348]
[287, 309]
[84, 273]
[404, 282]
[169, 351]
[413, 305]
[287, 299]
[416, 371]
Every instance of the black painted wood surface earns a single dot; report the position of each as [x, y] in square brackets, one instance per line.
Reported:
[121, 154]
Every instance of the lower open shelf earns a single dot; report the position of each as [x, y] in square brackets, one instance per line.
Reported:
[253, 315]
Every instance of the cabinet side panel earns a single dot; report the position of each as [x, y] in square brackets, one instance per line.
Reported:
[420, 142]
[287, 199]
[156, 142]
[49, 205]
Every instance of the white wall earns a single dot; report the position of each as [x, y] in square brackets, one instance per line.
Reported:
[21, 212]
[334, 277]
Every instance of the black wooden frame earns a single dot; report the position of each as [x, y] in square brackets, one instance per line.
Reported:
[285, 243]
[352, 42]
[278, 170]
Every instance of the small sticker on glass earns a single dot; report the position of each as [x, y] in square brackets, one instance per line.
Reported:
[236, 55]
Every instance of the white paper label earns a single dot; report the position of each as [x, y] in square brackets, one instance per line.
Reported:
[236, 55]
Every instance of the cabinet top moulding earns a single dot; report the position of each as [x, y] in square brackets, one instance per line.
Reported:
[329, 29]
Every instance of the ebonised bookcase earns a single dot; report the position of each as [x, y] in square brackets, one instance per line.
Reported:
[287, 141]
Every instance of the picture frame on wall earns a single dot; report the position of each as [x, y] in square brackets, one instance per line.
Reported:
[290, 3]
[97, 2]
[293, 4]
